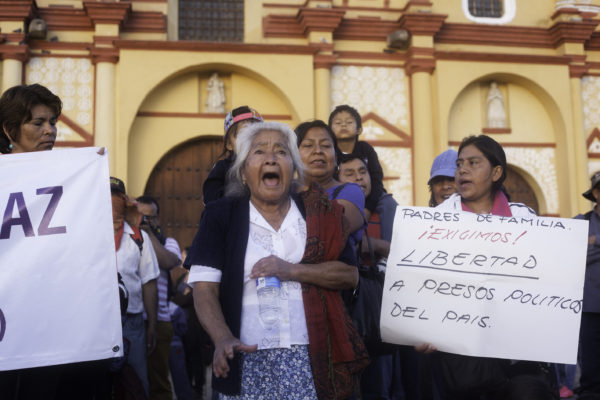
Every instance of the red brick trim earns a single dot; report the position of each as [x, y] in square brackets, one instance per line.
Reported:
[75, 126]
[104, 54]
[365, 29]
[496, 130]
[62, 18]
[398, 132]
[319, 19]
[148, 21]
[107, 13]
[414, 65]
[389, 143]
[324, 60]
[513, 144]
[17, 10]
[572, 32]
[494, 35]
[422, 23]
[167, 114]
[594, 135]
[14, 52]
[216, 47]
[500, 58]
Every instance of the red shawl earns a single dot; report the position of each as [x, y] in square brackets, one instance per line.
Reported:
[337, 353]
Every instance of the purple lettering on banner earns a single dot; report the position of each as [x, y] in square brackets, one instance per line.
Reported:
[44, 228]
[8, 221]
[2, 325]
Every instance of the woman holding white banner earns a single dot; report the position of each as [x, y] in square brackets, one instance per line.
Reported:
[480, 172]
[28, 115]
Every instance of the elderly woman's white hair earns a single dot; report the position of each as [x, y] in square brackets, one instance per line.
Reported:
[235, 185]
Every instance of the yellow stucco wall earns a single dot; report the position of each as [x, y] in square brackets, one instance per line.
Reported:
[550, 113]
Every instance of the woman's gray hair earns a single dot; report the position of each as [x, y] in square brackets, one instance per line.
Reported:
[235, 186]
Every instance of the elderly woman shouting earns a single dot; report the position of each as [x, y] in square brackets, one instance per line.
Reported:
[267, 266]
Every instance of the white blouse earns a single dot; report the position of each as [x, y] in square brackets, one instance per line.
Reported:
[287, 243]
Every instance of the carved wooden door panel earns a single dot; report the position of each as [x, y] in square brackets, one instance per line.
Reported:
[519, 190]
[176, 182]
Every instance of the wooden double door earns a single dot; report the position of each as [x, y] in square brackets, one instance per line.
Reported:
[176, 182]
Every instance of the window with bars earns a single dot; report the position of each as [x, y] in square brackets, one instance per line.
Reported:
[486, 8]
[211, 21]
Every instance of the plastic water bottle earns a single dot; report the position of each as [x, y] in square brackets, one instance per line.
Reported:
[268, 289]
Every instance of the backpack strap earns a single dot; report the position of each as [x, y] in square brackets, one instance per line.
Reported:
[137, 237]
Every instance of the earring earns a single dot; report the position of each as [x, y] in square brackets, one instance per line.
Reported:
[10, 147]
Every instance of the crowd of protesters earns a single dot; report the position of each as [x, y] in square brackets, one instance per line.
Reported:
[306, 207]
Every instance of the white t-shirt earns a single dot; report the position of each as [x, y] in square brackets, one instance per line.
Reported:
[287, 243]
[136, 268]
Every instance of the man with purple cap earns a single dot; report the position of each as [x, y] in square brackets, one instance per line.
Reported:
[441, 179]
[589, 333]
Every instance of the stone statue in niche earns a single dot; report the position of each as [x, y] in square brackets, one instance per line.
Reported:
[215, 94]
[496, 115]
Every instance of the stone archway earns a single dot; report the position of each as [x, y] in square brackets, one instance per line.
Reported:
[176, 182]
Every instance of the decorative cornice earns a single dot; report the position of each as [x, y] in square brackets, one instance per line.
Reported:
[107, 13]
[15, 52]
[319, 19]
[325, 60]
[104, 54]
[105, 40]
[216, 47]
[422, 23]
[12, 37]
[61, 18]
[572, 31]
[414, 65]
[455, 143]
[305, 21]
[365, 29]
[513, 36]
[578, 70]
[281, 26]
[147, 21]
[501, 58]
[368, 55]
[16, 10]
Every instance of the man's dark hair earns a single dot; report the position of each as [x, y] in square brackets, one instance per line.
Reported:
[147, 199]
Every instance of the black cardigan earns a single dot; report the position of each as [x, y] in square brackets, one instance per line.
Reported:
[221, 242]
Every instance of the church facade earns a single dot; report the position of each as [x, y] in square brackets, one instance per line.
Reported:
[151, 80]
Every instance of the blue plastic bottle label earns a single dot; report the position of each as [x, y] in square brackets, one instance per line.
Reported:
[268, 281]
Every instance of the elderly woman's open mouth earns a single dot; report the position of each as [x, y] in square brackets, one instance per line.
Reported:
[271, 178]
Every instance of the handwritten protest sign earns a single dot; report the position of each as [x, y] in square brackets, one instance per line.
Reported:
[59, 299]
[485, 285]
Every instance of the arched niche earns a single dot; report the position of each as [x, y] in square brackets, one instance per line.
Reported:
[173, 112]
[537, 131]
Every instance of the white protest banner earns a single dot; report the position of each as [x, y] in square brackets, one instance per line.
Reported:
[59, 299]
[484, 285]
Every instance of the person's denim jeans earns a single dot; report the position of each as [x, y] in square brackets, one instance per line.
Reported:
[134, 330]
